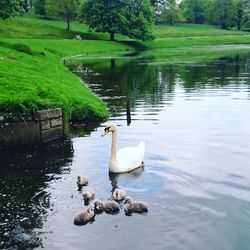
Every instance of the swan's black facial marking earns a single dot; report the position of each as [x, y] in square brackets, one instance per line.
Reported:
[106, 130]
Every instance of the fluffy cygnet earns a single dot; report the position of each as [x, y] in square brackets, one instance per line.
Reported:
[88, 193]
[85, 216]
[119, 194]
[107, 206]
[136, 206]
[81, 181]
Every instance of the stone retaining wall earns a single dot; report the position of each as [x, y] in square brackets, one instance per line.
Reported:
[47, 125]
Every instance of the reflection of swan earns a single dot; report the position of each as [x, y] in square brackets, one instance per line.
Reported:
[126, 159]
[133, 175]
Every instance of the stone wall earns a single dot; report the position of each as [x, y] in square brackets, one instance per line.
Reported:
[46, 125]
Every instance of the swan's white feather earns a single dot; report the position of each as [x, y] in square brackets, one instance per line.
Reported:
[130, 158]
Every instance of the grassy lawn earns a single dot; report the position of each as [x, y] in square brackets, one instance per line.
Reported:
[191, 30]
[178, 42]
[31, 48]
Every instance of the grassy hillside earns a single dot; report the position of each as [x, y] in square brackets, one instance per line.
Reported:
[32, 76]
[192, 30]
[31, 49]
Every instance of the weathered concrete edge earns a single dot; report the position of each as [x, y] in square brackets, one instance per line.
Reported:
[46, 125]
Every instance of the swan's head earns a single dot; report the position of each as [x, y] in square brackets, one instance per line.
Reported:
[110, 128]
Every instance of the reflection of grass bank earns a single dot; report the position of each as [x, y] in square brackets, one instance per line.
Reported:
[187, 54]
[162, 55]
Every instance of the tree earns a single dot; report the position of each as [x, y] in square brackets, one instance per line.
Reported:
[127, 17]
[224, 13]
[239, 13]
[10, 8]
[67, 9]
[27, 5]
[194, 10]
[245, 23]
[138, 19]
[40, 8]
[169, 12]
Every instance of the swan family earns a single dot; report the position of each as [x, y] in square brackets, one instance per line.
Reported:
[125, 160]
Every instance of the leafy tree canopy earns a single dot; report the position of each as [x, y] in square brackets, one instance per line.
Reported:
[127, 17]
[194, 10]
[39, 6]
[10, 8]
[224, 13]
[245, 22]
[67, 9]
[168, 12]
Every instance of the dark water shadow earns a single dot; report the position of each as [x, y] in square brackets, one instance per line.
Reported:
[25, 176]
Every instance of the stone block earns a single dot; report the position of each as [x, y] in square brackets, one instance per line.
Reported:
[52, 134]
[55, 122]
[45, 124]
[48, 113]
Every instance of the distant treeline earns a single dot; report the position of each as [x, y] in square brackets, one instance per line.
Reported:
[227, 14]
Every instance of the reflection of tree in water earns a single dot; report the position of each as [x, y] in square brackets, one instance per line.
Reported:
[116, 79]
[25, 173]
[215, 73]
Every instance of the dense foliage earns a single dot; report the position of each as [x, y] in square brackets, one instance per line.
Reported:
[10, 8]
[225, 13]
[40, 7]
[63, 8]
[168, 12]
[127, 17]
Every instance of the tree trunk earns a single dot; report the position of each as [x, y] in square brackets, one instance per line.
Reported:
[68, 24]
[112, 36]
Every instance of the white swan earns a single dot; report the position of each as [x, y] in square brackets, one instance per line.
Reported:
[126, 159]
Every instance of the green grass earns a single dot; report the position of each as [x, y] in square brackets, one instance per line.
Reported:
[191, 30]
[178, 42]
[31, 82]
[31, 49]
[34, 26]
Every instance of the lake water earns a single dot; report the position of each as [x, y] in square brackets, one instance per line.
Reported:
[194, 118]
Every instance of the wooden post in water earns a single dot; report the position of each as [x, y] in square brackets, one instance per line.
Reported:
[128, 114]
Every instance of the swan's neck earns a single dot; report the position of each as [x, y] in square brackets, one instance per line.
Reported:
[113, 147]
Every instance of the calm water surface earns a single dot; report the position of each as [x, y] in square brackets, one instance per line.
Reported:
[195, 121]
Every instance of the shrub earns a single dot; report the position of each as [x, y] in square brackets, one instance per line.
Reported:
[23, 48]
